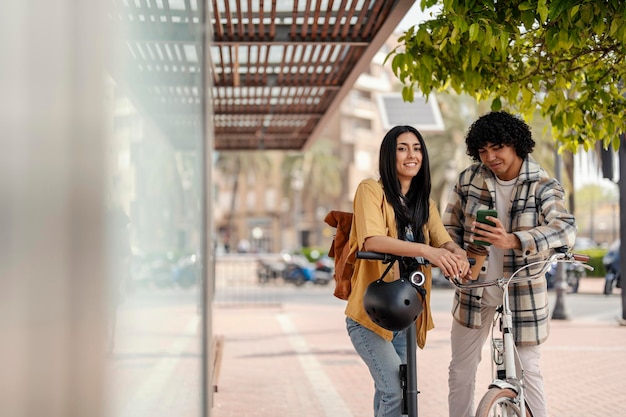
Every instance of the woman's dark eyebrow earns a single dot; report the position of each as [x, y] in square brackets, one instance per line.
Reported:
[407, 144]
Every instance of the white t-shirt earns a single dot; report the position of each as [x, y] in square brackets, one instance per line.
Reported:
[492, 296]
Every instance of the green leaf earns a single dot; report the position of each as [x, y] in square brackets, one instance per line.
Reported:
[552, 37]
[615, 25]
[528, 18]
[558, 8]
[397, 63]
[475, 57]
[525, 6]
[543, 12]
[496, 104]
[474, 29]
[504, 42]
[407, 94]
[454, 35]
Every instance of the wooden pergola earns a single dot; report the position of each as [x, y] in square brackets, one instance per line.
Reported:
[274, 70]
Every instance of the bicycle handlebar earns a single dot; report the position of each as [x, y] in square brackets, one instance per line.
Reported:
[559, 256]
[581, 258]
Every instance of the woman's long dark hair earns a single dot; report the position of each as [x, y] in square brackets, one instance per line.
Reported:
[415, 211]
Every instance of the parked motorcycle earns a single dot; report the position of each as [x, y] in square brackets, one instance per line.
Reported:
[294, 269]
[324, 270]
[267, 271]
[612, 279]
[185, 272]
[297, 270]
[164, 272]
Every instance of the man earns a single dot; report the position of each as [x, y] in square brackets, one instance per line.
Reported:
[531, 220]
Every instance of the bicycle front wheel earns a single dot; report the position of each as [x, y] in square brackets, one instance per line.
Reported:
[498, 402]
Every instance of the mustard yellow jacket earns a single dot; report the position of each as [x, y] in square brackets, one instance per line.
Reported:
[374, 216]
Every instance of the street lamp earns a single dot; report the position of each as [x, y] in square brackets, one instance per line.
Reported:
[320, 213]
[257, 235]
[560, 284]
[297, 184]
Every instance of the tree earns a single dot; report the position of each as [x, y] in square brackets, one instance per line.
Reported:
[318, 170]
[318, 167]
[565, 59]
[237, 165]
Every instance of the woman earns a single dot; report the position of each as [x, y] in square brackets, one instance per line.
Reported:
[396, 215]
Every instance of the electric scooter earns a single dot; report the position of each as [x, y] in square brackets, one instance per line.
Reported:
[410, 269]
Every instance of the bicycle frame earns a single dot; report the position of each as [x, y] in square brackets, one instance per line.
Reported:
[513, 375]
[509, 374]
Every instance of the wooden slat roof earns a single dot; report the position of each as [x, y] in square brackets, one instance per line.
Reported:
[276, 70]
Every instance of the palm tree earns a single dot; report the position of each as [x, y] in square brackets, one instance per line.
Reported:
[314, 176]
[446, 150]
[235, 165]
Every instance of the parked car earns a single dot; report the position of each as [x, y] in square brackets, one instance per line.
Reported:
[573, 274]
[612, 279]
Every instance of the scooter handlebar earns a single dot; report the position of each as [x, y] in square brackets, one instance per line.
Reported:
[387, 257]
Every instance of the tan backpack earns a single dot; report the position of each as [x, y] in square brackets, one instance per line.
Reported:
[340, 251]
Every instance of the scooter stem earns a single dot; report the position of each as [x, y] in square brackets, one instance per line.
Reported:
[411, 364]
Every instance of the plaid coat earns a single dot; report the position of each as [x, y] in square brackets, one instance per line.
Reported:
[540, 221]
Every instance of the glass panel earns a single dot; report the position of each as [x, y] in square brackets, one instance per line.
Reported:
[155, 203]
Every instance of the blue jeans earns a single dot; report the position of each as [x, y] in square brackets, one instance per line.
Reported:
[383, 359]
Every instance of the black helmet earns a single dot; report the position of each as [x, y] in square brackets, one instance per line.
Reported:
[392, 305]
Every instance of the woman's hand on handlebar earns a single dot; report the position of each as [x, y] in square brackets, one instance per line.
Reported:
[452, 264]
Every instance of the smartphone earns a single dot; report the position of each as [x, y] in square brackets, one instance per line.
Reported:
[481, 218]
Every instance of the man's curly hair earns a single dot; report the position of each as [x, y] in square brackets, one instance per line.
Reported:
[499, 128]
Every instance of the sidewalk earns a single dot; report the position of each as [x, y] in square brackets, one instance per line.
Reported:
[297, 360]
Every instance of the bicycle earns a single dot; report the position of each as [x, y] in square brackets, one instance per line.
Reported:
[408, 371]
[505, 394]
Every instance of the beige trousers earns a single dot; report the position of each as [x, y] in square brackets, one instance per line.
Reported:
[467, 347]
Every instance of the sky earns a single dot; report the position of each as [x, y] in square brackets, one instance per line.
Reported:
[587, 171]
[414, 16]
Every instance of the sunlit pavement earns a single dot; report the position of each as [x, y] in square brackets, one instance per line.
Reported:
[292, 357]
[298, 360]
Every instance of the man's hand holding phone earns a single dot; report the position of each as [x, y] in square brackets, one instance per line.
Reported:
[492, 232]
[481, 217]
